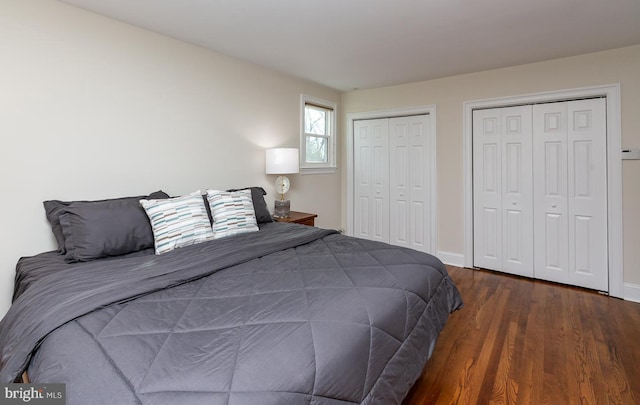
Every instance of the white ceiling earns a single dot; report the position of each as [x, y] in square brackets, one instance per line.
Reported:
[347, 44]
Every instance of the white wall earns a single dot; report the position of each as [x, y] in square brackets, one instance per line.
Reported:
[93, 108]
[448, 94]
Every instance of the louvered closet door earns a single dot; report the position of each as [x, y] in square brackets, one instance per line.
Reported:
[371, 178]
[571, 193]
[409, 184]
[502, 184]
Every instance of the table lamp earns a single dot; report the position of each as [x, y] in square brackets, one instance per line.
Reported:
[282, 161]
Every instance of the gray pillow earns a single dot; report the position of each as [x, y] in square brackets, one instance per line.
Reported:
[55, 208]
[259, 204]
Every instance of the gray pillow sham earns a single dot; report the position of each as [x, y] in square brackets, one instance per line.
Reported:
[128, 207]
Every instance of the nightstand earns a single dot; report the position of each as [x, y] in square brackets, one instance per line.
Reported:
[296, 217]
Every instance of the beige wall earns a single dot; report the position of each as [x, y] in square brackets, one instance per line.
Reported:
[93, 108]
[448, 94]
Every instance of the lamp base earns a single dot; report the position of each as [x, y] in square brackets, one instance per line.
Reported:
[282, 208]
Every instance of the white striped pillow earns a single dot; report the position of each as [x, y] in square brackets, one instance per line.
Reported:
[178, 222]
[232, 212]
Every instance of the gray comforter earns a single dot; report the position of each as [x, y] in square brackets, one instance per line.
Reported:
[288, 315]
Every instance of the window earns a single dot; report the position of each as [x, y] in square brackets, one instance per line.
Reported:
[318, 139]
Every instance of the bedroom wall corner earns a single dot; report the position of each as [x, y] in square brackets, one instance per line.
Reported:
[448, 94]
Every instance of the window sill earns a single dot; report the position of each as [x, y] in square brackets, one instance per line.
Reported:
[317, 170]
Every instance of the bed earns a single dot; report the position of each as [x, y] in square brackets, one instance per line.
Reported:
[286, 314]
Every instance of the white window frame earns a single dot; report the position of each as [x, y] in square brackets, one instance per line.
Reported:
[318, 168]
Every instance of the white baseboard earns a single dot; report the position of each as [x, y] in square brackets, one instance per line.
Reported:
[631, 292]
[452, 259]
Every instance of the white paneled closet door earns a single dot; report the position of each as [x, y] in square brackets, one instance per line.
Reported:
[371, 179]
[502, 184]
[392, 177]
[569, 140]
[410, 189]
[551, 205]
[540, 191]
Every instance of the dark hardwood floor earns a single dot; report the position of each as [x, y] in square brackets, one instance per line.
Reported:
[520, 341]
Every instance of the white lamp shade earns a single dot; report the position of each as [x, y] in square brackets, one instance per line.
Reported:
[282, 161]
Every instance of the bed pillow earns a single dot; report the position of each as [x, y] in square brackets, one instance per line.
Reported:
[178, 222]
[232, 212]
[259, 205]
[55, 208]
[93, 230]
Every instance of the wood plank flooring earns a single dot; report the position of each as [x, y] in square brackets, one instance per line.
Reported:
[520, 341]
